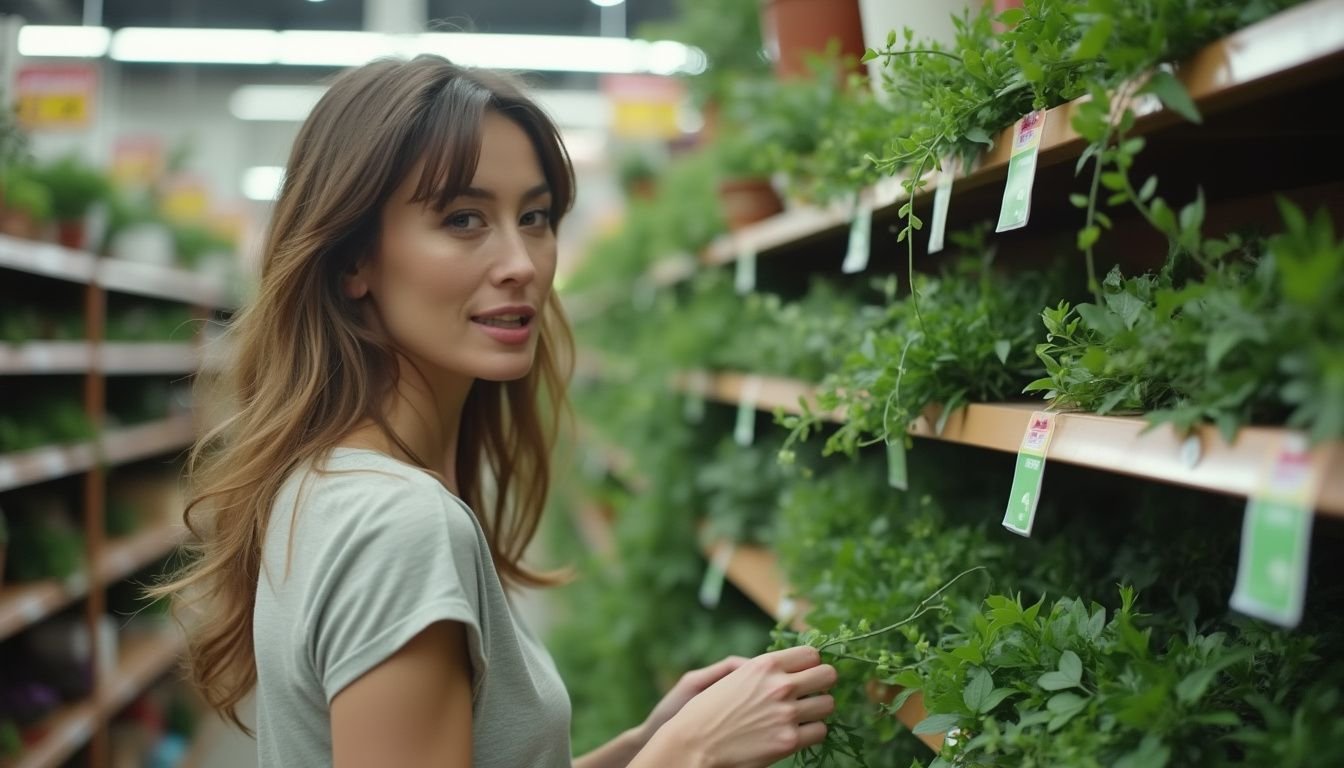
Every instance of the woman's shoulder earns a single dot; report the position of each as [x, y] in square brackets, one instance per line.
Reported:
[368, 490]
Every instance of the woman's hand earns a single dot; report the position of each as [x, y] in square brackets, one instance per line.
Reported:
[767, 709]
[690, 685]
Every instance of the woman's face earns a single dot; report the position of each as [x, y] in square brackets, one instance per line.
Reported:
[461, 291]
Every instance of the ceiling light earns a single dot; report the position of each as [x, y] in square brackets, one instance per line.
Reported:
[195, 46]
[560, 53]
[73, 42]
[262, 182]
[607, 3]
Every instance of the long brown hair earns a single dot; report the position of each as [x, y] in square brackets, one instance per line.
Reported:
[308, 368]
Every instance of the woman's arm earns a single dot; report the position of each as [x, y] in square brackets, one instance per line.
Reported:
[412, 710]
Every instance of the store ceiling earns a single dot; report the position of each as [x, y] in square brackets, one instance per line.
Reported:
[567, 17]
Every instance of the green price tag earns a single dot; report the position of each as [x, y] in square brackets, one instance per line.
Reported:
[697, 387]
[744, 430]
[711, 586]
[744, 279]
[942, 199]
[1022, 500]
[1276, 537]
[1021, 172]
[896, 474]
[860, 239]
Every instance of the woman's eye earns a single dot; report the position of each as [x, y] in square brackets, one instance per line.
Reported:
[464, 221]
[537, 218]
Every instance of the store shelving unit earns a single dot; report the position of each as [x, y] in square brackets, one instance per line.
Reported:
[1123, 445]
[1301, 46]
[142, 659]
[1245, 84]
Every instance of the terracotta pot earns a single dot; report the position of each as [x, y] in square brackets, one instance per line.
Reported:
[18, 224]
[793, 29]
[748, 200]
[70, 233]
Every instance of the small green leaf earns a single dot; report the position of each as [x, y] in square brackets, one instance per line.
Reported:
[1001, 348]
[979, 136]
[995, 698]
[1173, 94]
[971, 59]
[1148, 190]
[977, 691]
[868, 55]
[937, 724]
[891, 38]
[1078, 201]
[1094, 39]
[1087, 237]
[1113, 180]
[1071, 666]
[1055, 681]
[1012, 16]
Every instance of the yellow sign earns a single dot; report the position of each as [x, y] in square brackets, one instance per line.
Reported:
[56, 97]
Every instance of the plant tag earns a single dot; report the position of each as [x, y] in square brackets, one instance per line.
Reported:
[1021, 172]
[1276, 536]
[744, 280]
[896, 474]
[697, 387]
[942, 198]
[1021, 514]
[711, 586]
[744, 431]
[860, 239]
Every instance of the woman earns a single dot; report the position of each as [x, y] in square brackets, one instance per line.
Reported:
[399, 376]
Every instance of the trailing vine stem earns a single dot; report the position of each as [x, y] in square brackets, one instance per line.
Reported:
[913, 51]
[921, 609]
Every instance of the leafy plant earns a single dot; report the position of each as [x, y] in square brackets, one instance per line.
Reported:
[727, 33]
[74, 185]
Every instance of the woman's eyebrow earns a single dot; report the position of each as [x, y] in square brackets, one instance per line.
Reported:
[477, 193]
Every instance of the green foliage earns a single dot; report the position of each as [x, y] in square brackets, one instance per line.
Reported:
[728, 33]
[22, 192]
[1252, 339]
[74, 186]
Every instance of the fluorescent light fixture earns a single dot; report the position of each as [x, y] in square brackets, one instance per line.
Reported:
[293, 103]
[289, 103]
[72, 42]
[607, 3]
[195, 46]
[262, 182]
[559, 53]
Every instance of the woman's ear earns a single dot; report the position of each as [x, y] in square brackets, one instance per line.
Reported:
[356, 281]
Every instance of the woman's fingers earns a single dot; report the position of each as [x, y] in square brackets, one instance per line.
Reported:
[815, 708]
[701, 679]
[815, 680]
[810, 735]
[795, 659]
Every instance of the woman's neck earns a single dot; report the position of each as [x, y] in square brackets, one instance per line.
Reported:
[425, 416]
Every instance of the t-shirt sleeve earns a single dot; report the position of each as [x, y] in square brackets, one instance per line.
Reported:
[396, 562]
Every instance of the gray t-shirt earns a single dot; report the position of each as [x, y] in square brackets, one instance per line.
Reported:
[380, 550]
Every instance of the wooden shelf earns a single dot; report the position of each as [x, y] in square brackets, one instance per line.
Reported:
[126, 444]
[160, 282]
[1298, 46]
[148, 357]
[128, 554]
[64, 732]
[25, 604]
[46, 259]
[45, 357]
[42, 464]
[1122, 445]
[142, 659]
[755, 571]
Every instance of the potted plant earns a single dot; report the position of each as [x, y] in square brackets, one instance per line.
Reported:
[745, 192]
[75, 187]
[795, 29]
[638, 175]
[27, 204]
[728, 32]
